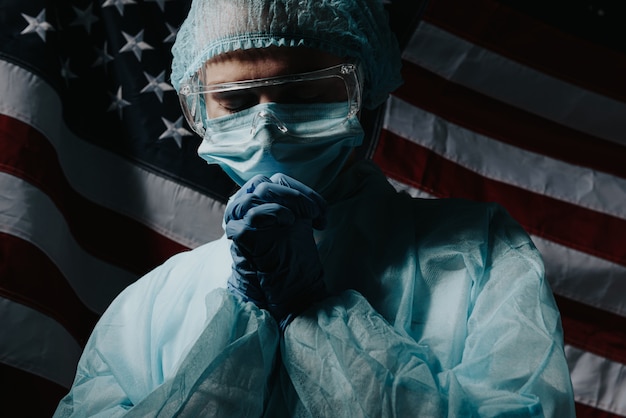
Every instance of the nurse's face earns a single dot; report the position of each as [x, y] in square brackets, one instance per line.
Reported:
[264, 63]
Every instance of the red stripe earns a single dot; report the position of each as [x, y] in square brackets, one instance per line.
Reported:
[28, 395]
[585, 411]
[558, 221]
[30, 278]
[482, 114]
[593, 330]
[108, 235]
[521, 38]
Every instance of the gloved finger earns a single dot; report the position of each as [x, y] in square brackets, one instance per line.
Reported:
[261, 234]
[251, 185]
[242, 201]
[268, 216]
[243, 280]
[259, 219]
[234, 228]
[319, 222]
[285, 180]
[299, 203]
[304, 205]
[238, 208]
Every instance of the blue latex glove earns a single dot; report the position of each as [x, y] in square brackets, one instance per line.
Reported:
[244, 281]
[271, 222]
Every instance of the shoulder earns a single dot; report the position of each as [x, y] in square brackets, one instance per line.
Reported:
[484, 233]
[463, 218]
[210, 259]
[173, 291]
[186, 275]
[152, 323]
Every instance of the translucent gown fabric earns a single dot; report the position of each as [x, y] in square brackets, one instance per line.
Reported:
[356, 29]
[440, 309]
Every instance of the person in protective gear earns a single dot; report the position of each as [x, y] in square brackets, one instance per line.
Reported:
[330, 293]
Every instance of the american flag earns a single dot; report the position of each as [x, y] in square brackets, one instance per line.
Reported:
[517, 102]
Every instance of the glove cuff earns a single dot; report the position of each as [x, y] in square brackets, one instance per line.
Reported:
[247, 291]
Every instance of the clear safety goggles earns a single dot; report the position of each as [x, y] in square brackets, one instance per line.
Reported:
[337, 86]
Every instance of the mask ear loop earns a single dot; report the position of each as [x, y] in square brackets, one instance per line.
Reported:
[267, 117]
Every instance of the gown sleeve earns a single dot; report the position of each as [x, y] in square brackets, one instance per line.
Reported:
[228, 369]
[163, 343]
[512, 362]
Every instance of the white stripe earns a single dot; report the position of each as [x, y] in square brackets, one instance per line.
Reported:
[573, 274]
[503, 162]
[472, 66]
[180, 213]
[584, 278]
[29, 214]
[598, 382]
[25, 343]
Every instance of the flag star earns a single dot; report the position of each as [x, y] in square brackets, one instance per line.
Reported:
[118, 3]
[161, 3]
[85, 18]
[157, 85]
[66, 73]
[103, 57]
[135, 44]
[37, 24]
[117, 102]
[175, 130]
[173, 31]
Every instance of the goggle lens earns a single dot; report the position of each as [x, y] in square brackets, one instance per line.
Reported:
[337, 85]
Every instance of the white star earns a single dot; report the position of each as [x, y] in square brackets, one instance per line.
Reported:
[161, 3]
[173, 31]
[135, 44]
[117, 102]
[84, 17]
[66, 73]
[157, 85]
[103, 57]
[118, 3]
[175, 130]
[37, 24]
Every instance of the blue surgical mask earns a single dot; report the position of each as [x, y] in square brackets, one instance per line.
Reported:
[310, 143]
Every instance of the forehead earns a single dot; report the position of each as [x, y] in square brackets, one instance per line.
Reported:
[265, 62]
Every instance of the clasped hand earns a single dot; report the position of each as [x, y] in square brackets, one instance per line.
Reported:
[275, 260]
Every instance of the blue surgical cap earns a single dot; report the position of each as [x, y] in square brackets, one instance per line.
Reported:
[355, 29]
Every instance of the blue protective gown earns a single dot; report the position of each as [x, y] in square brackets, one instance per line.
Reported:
[440, 308]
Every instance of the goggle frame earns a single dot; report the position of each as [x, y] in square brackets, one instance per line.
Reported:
[191, 93]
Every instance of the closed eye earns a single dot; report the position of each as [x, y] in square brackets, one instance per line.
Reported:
[327, 90]
[233, 101]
